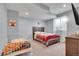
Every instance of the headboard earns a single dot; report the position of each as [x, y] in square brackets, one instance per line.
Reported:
[34, 29]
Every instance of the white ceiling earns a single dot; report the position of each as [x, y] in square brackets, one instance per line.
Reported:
[40, 11]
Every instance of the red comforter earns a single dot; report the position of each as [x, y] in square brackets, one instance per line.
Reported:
[46, 37]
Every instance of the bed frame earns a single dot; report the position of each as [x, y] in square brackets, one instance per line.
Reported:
[49, 42]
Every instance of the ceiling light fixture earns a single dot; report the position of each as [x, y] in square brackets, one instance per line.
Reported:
[64, 5]
[26, 13]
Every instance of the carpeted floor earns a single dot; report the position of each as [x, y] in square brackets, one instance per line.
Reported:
[39, 49]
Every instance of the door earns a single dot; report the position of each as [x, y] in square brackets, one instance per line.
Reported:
[60, 27]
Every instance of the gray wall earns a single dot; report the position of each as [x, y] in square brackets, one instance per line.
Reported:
[25, 27]
[3, 26]
[49, 26]
[71, 26]
[12, 32]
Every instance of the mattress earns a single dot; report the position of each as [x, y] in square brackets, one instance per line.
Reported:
[46, 36]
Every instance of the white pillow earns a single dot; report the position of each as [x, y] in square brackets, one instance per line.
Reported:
[38, 32]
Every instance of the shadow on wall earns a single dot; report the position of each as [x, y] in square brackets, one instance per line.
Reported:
[26, 37]
[30, 36]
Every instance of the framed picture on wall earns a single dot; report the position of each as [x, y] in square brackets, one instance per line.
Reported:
[12, 23]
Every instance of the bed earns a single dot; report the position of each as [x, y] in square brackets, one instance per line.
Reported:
[16, 47]
[45, 38]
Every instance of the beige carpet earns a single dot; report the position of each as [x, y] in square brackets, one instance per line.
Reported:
[39, 49]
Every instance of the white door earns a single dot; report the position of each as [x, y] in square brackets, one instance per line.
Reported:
[60, 27]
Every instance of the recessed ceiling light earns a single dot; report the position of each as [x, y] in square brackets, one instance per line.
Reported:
[64, 5]
[26, 13]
